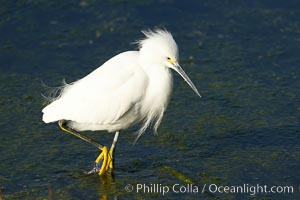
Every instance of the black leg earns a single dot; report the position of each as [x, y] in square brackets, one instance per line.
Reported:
[62, 124]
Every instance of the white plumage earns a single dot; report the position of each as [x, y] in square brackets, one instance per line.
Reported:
[131, 87]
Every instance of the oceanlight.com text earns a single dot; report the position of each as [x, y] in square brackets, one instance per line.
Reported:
[157, 188]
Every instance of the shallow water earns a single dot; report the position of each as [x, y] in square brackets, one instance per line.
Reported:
[243, 57]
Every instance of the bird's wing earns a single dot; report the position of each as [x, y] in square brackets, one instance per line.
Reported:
[104, 95]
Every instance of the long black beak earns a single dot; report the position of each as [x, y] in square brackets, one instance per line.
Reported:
[180, 71]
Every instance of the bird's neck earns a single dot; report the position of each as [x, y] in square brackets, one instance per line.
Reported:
[160, 83]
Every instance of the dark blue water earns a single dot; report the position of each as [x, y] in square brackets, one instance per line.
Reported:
[243, 56]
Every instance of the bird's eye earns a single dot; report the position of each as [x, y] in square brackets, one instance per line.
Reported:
[168, 58]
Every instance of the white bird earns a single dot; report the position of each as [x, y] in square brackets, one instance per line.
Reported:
[131, 87]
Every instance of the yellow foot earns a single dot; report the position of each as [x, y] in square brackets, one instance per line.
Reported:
[107, 163]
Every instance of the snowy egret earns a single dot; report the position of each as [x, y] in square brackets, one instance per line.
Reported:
[131, 87]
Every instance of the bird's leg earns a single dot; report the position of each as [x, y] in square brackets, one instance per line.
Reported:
[105, 154]
[62, 124]
[107, 159]
[112, 148]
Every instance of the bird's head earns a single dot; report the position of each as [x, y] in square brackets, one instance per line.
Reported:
[160, 48]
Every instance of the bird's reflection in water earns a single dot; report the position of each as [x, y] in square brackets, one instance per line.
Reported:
[107, 187]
